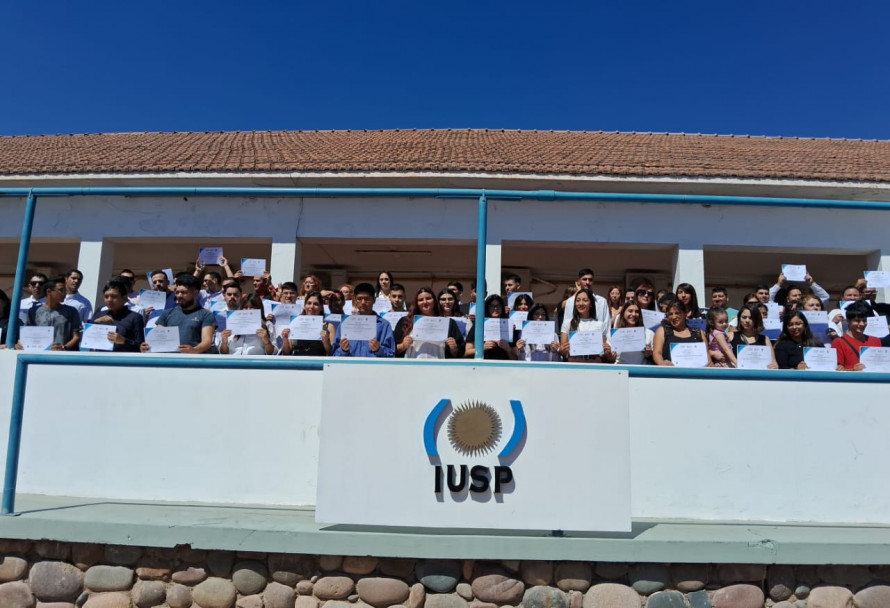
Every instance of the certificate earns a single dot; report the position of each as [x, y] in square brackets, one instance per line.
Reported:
[393, 318]
[585, 343]
[152, 319]
[95, 336]
[461, 325]
[751, 356]
[149, 298]
[359, 327]
[431, 329]
[700, 324]
[689, 354]
[243, 322]
[306, 327]
[818, 320]
[629, 339]
[210, 255]
[472, 311]
[36, 338]
[286, 310]
[820, 359]
[163, 339]
[539, 332]
[795, 272]
[773, 310]
[220, 317]
[334, 320]
[382, 305]
[511, 298]
[652, 318]
[877, 278]
[877, 327]
[253, 267]
[772, 327]
[875, 358]
[497, 329]
[517, 318]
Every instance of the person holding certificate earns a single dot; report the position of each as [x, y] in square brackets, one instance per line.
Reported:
[410, 342]
[257, 343]
[527, 351]
[629, 317]
[318, 346]
[495, 308]
[749, 331]
[675, 332]
[64, 320]
[849, 344]
[195, 324]
[795, 336]
[584, 320]
[380, 345]
[129, 327]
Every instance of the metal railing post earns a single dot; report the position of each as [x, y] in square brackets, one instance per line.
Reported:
[482, 239]
[20, 268]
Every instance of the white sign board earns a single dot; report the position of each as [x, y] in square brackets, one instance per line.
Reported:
[475, 447]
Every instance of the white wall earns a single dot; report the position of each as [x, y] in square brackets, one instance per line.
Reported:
[700, 449]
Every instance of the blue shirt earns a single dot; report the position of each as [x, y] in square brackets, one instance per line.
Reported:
[362, 348]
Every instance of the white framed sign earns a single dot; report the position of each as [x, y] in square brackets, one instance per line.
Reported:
[475, 447]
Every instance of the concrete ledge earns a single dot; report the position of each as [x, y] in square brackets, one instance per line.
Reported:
[293, 530]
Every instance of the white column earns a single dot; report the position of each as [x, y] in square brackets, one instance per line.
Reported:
[877, 260]
[492, 267]
[689, 267]
[95, 261]
[285, 263]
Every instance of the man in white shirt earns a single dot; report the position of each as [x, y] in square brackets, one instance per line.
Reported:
[37, 290]
[74, 299]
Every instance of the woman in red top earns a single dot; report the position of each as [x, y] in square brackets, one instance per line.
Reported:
[848, 345]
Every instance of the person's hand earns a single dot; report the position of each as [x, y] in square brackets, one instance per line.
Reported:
[263, 335]
[781, 280]
[554, 345]
[808, 278]
[199, 265]
[18, 346]
[607, 349]
[451, 343]
[104, 320]
[147, 311]
[325, 337]
[718, 356]
[858, 367]
[407, 342]
[374, 345]
[144, 347]
[57, 346]
[225, 335]
[285, 333]
[772, 366]
[520, 343]
[344, 345]
[238, 275]
[564, 349]
[223, 261]
[270, 318]
[268, 276]
[115, 338]
[185, 349]
[647, 352]
[803, 365]
[489, 344]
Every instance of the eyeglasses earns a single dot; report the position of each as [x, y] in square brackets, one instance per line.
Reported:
[37, 283]
[643, 292]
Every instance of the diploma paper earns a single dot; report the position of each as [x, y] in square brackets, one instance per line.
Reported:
[149, 298]
[495, 330]
[334, 320]
[152, 319]
[220, 317]
[431, 329]
[286, 311]
[751, 356]
[701, 324]
[652, 319]
[163, 339]
[472, 311]
[36, 338]
[243, 322]
[877, 278]
[517, 318]
[689, 354]
[253, 267]
[359, 327]
[210, 255]
[511, 298]
[795, 272]
[95, 336]
[306, 327]
[877, 327]
[772, 327]
[773, 311]
[628, 339]
[875, 358]
[585, 343]
[818, 320]
[539, 332]
[382, 305]
[461, 325]
[347, 307]
[820, 359]
[393, 318]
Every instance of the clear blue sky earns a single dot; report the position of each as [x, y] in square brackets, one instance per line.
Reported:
[810, 69]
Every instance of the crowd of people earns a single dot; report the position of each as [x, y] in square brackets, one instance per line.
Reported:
[634, 324]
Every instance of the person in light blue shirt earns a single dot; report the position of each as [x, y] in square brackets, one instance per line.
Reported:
[383, 346]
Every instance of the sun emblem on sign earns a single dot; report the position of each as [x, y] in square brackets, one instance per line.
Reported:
[474, 428]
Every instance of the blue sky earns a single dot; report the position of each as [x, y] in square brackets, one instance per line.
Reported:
[813, 69]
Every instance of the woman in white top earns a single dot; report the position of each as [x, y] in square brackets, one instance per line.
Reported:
[257, 344]
[584, 319]
[538, 352]
[631, 316]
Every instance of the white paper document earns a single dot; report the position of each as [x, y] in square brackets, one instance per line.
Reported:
[210, 255]
[628, 339]
[253, 267]
[306, 327]
[334, 320]
[820, 359]
[751, 356]
[347, 307]
[517, 318]
[36, 338]
[359, 327]
[382, 305]
[772, 327]
[652, 318]
[430, 329]
[877, 327]
[585, 343]
[539, 332]
[795, 272]
[818, 320]
[773, 311]
[393, 318]
[689, 354]
[287, 310]
[877, 278]
[496, 330]
[95, 336]
[243, 322]
[220, 318]
[149, 298]
[699, 324]
[163, 339]
[875, 358]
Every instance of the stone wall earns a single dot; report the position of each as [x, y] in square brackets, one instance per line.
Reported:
[51, 574]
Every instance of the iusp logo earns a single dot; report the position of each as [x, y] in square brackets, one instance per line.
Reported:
[475, 431]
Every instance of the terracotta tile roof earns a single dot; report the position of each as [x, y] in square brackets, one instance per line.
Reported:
[478, 151]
